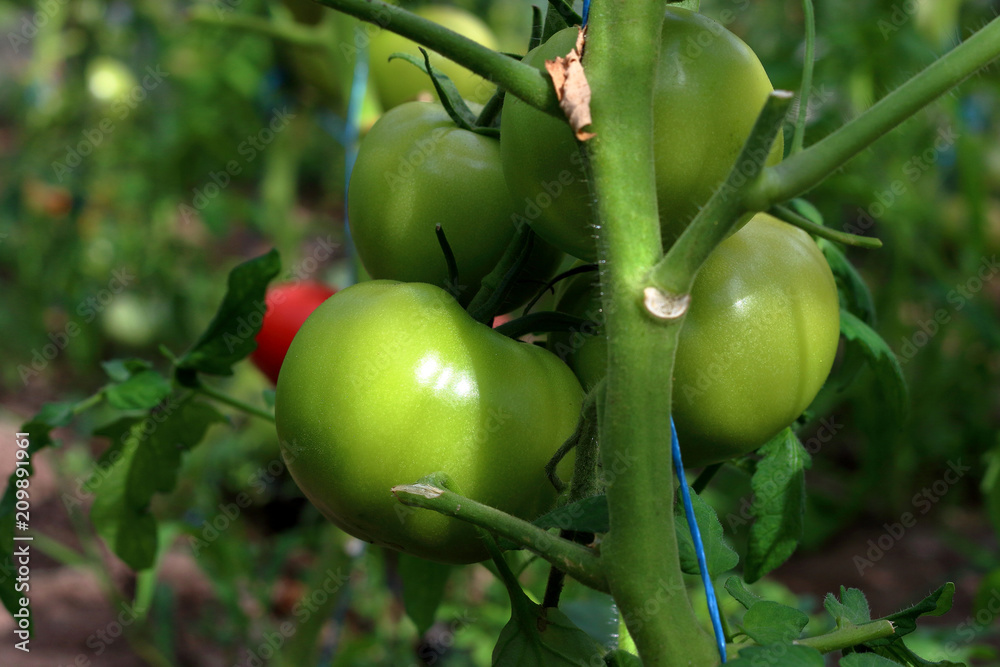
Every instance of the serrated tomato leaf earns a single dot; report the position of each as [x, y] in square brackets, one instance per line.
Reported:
[120, 370]
[778, 505]
[162, 437]
[768, 622]
[142, 391]
[851, 609]
[589, 515]
[544, 638]
[128, 531]
[783, 655]
[719, 556]
[854, 293]
[883, 361]
[736, 588]
[423, 589]
[230, 335]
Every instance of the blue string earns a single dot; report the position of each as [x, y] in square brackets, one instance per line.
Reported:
[586, 11]
[352, 131]
[699, 547]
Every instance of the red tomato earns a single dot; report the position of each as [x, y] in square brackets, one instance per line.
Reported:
[288, 306]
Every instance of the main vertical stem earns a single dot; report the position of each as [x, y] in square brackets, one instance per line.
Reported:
[640, 551]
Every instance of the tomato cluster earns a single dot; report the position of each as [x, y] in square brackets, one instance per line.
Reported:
[391, 380]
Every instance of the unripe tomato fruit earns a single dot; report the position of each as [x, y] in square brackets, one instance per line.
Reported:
[417, 169]
[710, 88]
[388, 382]
[398, 81]
[756, 345]
[287, 307]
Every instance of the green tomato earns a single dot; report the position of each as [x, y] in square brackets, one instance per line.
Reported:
[416, 169]
[388, 382]
[756, 345]
[710, 87]
[398, 81]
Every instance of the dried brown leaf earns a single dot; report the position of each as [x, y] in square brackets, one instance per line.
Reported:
[572, 89]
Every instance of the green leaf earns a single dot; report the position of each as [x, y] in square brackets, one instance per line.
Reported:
[451, 99]
[557, 17]
[739, 591]
[866, 660]
[935, 604]
[778, 504]
[162, 438]
[423, 588]
[142, 391]
[778, 655]
[768, 622]
[589, 515]
[120, 370]
[128, 531]
[884, 363]
[851, 609]
[230, 335]
[719, 556]
[854, 293]
[544, 638]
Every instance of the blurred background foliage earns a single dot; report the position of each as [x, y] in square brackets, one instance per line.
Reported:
[148, 147]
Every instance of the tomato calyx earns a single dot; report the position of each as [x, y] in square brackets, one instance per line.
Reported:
[456, 107]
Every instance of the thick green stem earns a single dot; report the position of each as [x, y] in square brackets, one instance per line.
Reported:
[804, 170]
[639, 553]
[852, 636]
[576, 560]
[524, 81]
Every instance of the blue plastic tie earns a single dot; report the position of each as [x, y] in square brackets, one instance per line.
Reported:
[586, 11]
[699, 547]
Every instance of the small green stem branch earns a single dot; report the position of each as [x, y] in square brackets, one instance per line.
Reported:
[805, 90]
[852, 636]
[285, 31]
[578, 561]
[805, 170]
[803, 223]
[235, 403]
[516, 78]
[639, 553]
[674, 275]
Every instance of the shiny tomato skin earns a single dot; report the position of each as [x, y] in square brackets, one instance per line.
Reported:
[710, 87]
[288, 305]
[416, 169]
[756, 345]
[388, 382]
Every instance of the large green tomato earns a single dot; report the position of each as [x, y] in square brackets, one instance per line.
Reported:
[416, 169]
[388, 382]
[710, 87]
[398, 81]
[756, 345]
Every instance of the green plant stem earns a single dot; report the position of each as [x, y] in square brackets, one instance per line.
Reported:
[516, 78]
[805, 170]
[576, 560]
[852, 636]
[805, 90]
[235, 403]
[639, 553]
[705, 477]
[285, 31]
[805, 224]
[674, 275]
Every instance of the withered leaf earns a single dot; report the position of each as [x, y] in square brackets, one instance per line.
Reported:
[572, 88]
